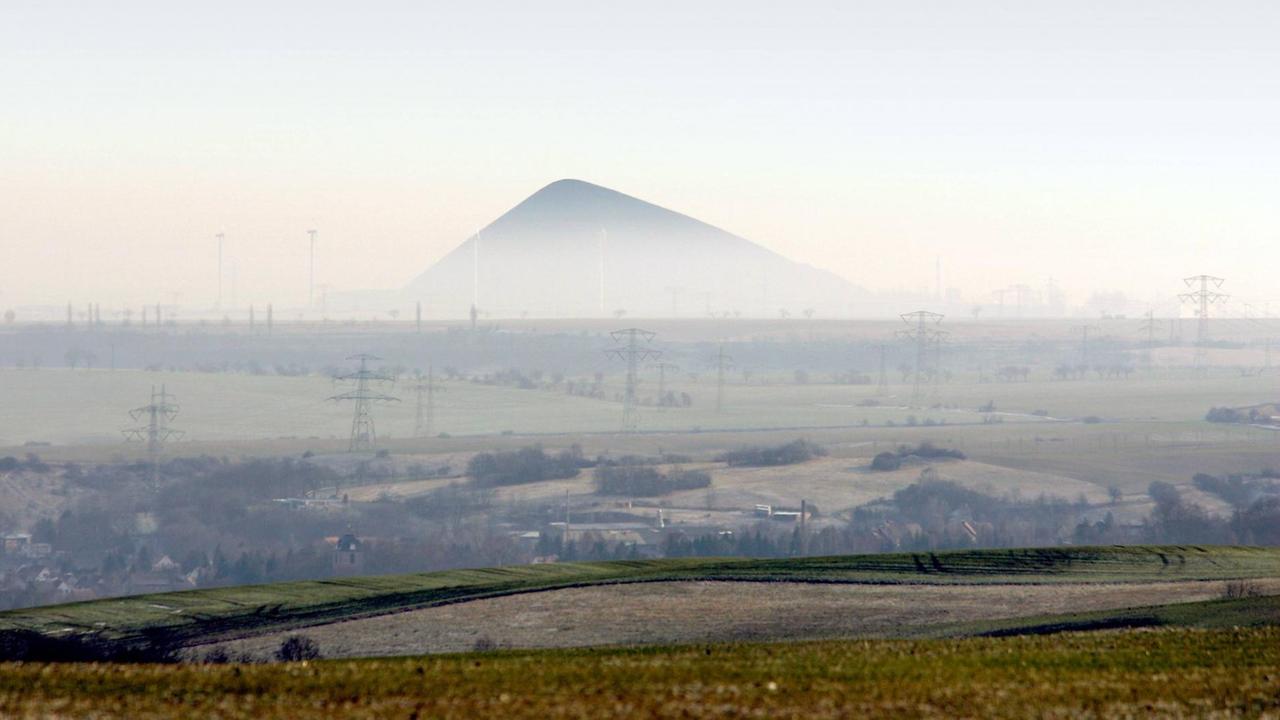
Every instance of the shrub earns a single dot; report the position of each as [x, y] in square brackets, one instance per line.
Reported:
[216, 656]
[484, 643]
[1234, 489]
[796, 451]
[526, 465]
[930, 451]
[645, 481]
[1237, 589]
[1225, 415]
[886, 461]
[296, 648]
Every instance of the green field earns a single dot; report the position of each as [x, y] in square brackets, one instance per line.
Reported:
[90, 407]
[1209, 615]
[1168, 673]
[225, 613]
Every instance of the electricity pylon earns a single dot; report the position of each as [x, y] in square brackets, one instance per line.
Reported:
[1084, 342]
[1149, 327]
[155, 431]
[220, 237]
[633, 351]
[936, 376]
[364, 395]
[663, 368]
[311, 269]
[424, 387]
[1204, 293]
[723, 362]
[882, 386]
[922, 328]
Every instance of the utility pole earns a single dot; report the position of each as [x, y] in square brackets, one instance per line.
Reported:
[220, 237]
[424, 387]
[311, 271]
[417, 317]
[1204, 293]
[723, 362]
[663, 368]
[364, 395]
[922, 327]
[633, 350]
[156, 415]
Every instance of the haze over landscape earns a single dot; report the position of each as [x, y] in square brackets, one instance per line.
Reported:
[667, 360]
[1112, 148]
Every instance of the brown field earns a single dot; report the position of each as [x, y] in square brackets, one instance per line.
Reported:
[685, 612]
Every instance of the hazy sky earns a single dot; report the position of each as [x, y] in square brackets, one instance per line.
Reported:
[1109, 145]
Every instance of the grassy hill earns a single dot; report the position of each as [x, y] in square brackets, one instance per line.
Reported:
[205, 615]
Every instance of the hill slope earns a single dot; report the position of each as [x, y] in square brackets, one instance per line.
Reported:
[574, 249]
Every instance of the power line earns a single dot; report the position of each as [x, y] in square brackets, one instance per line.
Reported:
[363, 436]
[922, 329]
[1203, 295]
[633, 351]
[156, 415]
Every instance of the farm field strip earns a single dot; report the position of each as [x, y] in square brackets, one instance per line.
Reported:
[1171, 672]
[703, 611]
[226, 613]
[89, 406]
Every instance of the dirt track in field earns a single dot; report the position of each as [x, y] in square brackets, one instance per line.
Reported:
[682, 612]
